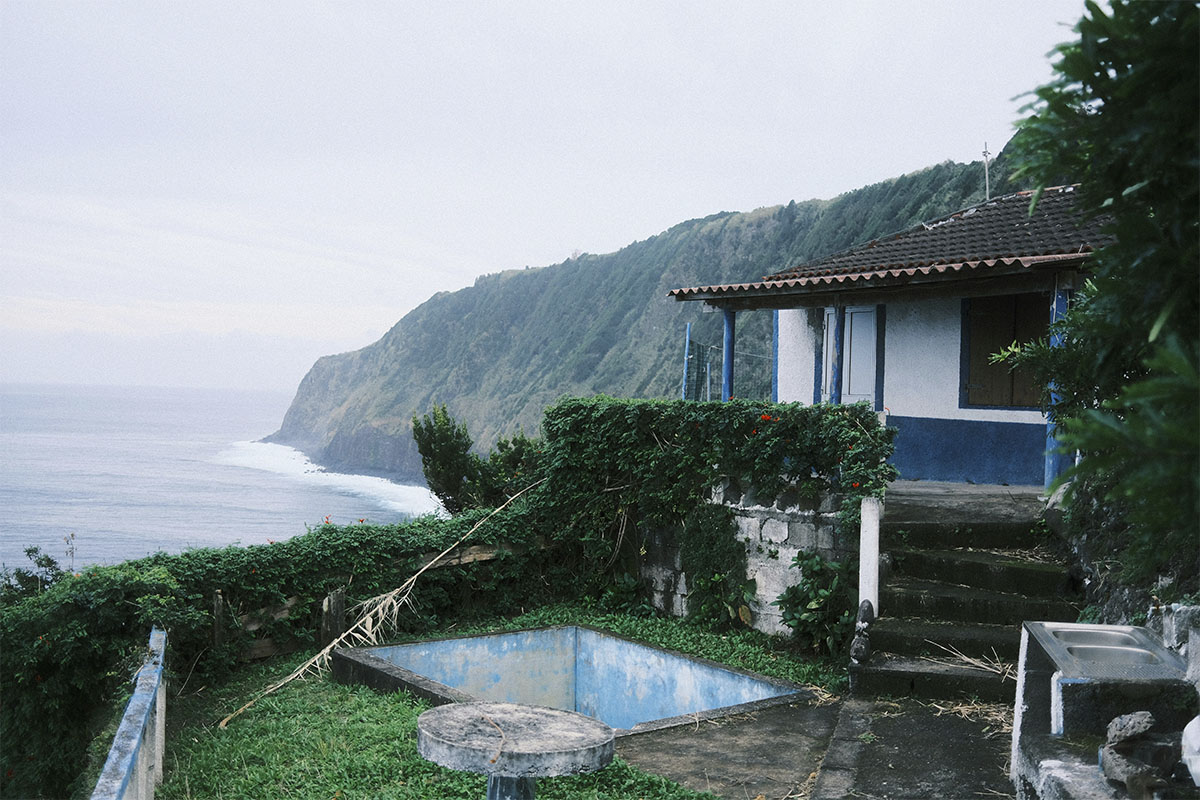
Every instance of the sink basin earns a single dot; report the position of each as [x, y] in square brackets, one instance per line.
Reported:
[1094, 636]
[1112, 655]
[1087, 652]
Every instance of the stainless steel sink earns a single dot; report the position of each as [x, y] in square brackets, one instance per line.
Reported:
[1112, 655]
[1093, 634]
[1108, 652]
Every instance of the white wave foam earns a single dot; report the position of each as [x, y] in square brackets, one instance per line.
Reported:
[291, 463]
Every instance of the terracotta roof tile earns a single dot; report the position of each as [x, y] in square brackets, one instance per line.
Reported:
[996, 233]
[997, 229]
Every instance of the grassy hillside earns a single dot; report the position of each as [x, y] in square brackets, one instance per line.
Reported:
[499, 352]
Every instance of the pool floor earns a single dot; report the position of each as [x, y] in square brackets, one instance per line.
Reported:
[624, 683]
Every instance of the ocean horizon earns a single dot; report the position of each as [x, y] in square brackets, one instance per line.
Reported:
[103, 474]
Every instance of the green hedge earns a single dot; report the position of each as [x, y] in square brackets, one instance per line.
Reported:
[606, 457]
[608, 466]
[66, 651]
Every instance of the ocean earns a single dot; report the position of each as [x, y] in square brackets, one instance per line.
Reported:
[99, 475]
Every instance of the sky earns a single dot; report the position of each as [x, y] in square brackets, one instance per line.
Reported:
[218, 193]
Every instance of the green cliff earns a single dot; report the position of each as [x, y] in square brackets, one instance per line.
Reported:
[499, 352]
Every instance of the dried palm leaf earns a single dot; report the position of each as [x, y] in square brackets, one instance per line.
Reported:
[377, 615]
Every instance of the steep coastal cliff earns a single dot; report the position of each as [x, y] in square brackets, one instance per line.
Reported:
[497, 353]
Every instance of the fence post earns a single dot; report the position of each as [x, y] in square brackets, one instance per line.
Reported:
[870, 512]
[333, 616]
[218, 614]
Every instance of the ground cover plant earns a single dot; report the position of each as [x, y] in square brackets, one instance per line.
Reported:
[317, 738]
[321, 739]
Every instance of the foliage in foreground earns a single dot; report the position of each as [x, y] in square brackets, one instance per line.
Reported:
[1120, 117]
[68, 649]
[324, 740]
[318, 738]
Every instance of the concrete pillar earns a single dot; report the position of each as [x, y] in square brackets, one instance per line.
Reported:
[775, 356]
[870, 512]
[504, 787]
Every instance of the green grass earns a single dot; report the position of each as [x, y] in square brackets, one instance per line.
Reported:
[320, 740]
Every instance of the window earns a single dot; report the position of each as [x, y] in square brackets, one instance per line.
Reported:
[861, 358]
[991, 324]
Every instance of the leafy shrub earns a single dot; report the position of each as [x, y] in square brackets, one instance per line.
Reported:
[715, 563]
[22, 582]
[1119, 118]
[820, 608]
[463, 480]
[612, 465]
[66, 651]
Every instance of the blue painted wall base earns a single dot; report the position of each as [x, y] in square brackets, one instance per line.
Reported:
[969, 451]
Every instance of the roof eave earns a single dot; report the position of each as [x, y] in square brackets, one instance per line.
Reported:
[881, 279]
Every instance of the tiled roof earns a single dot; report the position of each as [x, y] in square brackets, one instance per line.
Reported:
[998, 234]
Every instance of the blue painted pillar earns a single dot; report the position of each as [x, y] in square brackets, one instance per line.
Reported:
[687, 346]
[835, 372]
[727, 355]
[1056, 462]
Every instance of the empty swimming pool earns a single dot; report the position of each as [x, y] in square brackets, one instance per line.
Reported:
[626, 684]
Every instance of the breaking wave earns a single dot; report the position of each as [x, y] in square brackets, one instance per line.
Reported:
[294, 465]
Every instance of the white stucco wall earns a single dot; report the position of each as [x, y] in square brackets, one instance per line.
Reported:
[922, 361]
[796, 356]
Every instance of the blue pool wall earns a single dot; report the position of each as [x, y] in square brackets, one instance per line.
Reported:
[618, 681]
[623, 683]
[536, 667]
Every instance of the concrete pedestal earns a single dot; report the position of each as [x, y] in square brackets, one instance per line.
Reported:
[513, 744]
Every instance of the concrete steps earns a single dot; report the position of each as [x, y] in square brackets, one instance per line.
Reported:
[919, 637]
[959, 602]
[900, 676]
[997, 570]
[966, 572]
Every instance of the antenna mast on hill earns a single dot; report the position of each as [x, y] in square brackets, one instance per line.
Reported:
[987, 183]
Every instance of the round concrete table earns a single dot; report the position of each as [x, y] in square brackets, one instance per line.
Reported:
[513, 744]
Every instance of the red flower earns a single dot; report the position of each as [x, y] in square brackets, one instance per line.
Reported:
[854, 485]
[766, 417]
[754, 431]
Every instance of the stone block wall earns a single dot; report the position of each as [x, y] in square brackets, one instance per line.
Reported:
[773, 533]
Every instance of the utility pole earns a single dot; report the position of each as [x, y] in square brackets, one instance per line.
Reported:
[987, 183]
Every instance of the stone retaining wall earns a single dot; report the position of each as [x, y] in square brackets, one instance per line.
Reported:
[773, 535]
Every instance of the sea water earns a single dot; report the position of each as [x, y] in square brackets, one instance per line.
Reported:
[103, 474]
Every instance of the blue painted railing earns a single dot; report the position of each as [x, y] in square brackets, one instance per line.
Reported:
[134, 765]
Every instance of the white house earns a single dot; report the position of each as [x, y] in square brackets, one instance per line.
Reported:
[908, 323]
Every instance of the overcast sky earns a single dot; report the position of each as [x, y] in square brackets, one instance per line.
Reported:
[218, 193]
